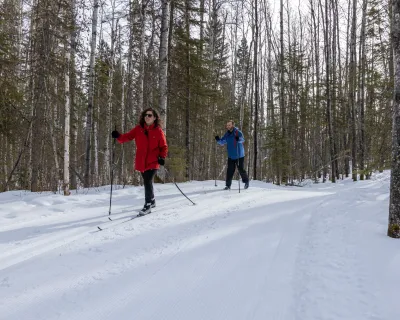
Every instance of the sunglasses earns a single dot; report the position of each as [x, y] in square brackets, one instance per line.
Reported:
[149, 115]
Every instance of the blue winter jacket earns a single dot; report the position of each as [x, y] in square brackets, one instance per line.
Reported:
[235, 148]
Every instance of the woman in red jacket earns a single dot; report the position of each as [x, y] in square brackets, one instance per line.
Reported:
[151, 151]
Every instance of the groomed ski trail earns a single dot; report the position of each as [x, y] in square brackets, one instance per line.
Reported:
[232, 256]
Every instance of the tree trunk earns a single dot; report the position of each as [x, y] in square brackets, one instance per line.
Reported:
[170, 36]
[347, 113]
[318, 152]
[142, 51]
[110, 83]
[67, 120]
[256, 94]
[283, 151]
[123, 109]
[328, 91]
[89, 115]
[394, 206]
[352, 86]
[73, 108]
[163, 61]
[129, 77]
[362, 89]
[187, 115]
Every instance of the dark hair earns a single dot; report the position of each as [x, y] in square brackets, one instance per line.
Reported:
[157, 121]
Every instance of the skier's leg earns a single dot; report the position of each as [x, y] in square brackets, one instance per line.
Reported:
[243, 172]
[230, 171]
[148, 177]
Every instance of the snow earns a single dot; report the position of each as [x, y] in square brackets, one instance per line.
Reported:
[270, 252]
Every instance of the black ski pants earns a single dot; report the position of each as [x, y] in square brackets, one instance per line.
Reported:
[148, 177]
[231, 170]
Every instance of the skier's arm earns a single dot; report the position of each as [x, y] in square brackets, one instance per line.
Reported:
[162, 145]
[127, 136]
[222, 141]
[240, 135]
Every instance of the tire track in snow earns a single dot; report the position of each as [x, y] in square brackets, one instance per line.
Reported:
[276, 291]
[329, 266]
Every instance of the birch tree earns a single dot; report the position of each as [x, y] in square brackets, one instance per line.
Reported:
[67, 119]
[89, 114]
[256, 89]
[163, 62]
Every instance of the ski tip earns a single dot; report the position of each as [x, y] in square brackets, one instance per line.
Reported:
[110, 219]
[99, 228]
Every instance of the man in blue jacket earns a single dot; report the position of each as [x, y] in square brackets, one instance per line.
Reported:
[233, 138]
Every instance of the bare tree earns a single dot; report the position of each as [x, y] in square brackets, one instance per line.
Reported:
[394, 207]
[187, 98]
[256, 89]
[163, 61]
[283, 153]
[328, 90]
[68, 49]
[352, 88]
[89, 114]
[111, 63]
[361, 100]
[143, 9]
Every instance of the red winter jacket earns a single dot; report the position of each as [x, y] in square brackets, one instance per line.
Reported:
[148, 147]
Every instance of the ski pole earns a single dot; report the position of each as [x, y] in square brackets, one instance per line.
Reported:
[112, 173]
[237, 163]
[215, 164]
[167, 172]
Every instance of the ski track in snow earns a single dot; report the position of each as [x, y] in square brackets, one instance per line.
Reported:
[266, 253]
[342, 283]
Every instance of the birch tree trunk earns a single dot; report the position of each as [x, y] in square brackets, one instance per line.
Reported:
[129, 76]
[73, 109]
[96, 119]
[142, 51]
[256, 94]
[283, 152]
[107, 153]
[52, 125]
[67, 121]
[163, 60]
[270, 102]
[316, 129]
[352, 86]
[89, 115]
[362, 89]
[328, 91]
[123, 107]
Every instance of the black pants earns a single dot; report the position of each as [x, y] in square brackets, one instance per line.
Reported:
[231, 171]
[148, 177]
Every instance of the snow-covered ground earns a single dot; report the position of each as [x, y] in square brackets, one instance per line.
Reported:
[317, 252]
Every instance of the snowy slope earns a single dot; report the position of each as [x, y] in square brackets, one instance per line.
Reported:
[317, 252]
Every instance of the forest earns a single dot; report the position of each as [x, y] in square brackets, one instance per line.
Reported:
[309, 83]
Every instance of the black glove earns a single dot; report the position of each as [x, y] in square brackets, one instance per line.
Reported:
[161, 161]
[115, 134]
[217, 138]
[237, 138]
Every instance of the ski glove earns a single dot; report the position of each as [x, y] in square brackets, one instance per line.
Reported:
[217, 138]
[161, 161]
[115, 134]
